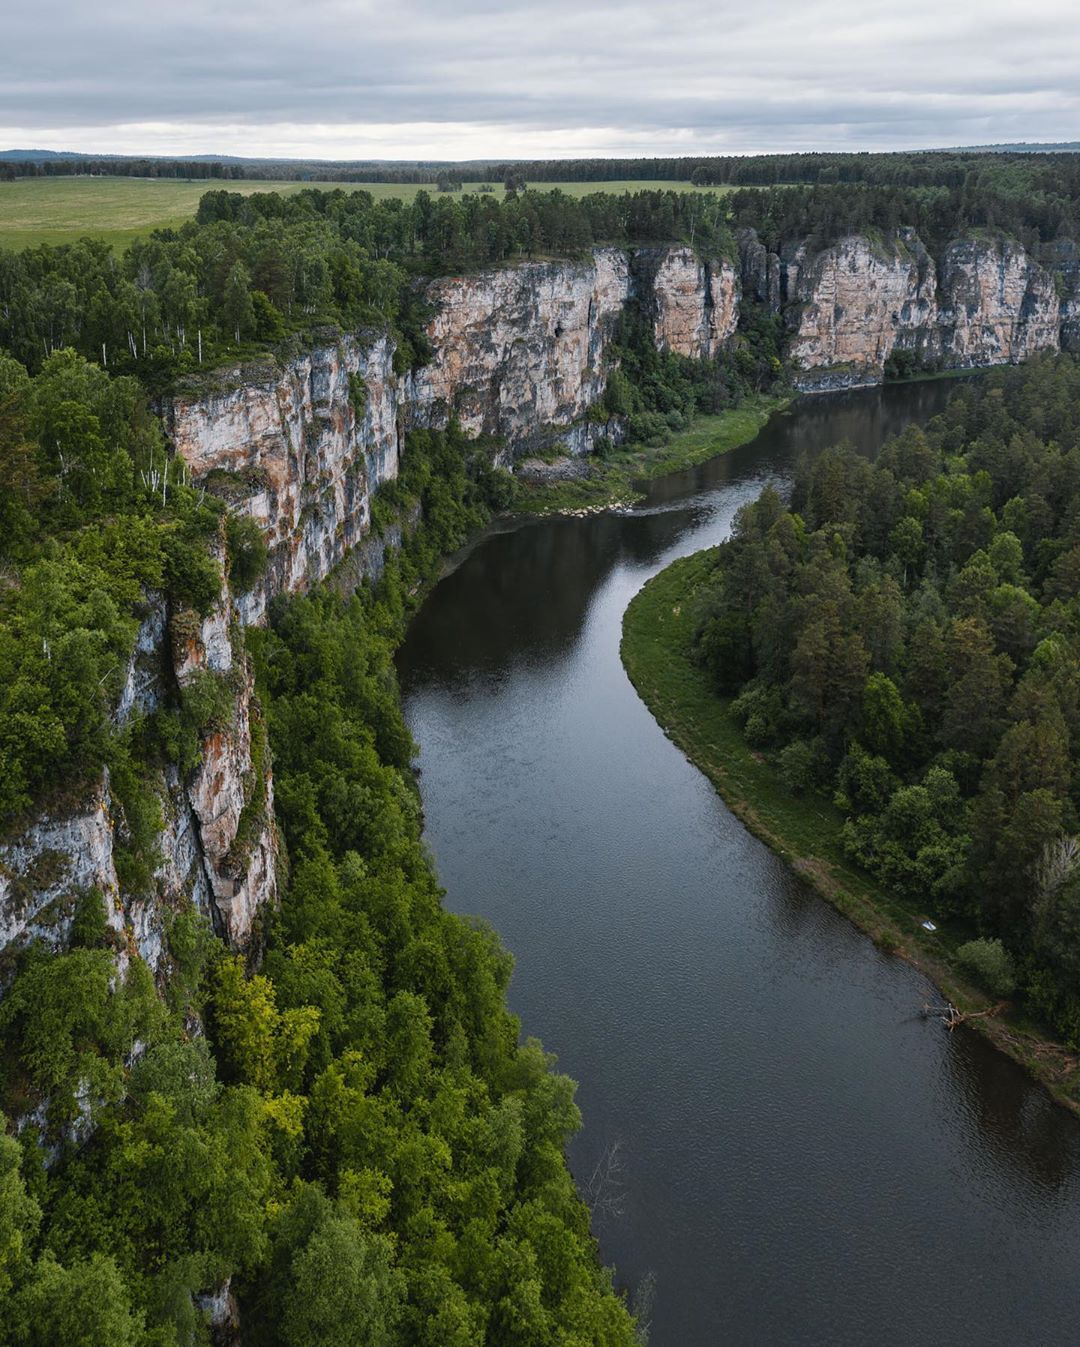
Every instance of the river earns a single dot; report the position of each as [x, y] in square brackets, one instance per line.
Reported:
[804, 1158]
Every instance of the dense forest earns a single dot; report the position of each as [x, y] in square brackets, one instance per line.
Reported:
[1034, 215]
[905, 639]
[357, 1140]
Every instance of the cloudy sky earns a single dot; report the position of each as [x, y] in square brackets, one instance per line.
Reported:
[457, 79]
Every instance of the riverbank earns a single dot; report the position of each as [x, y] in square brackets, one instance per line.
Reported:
[611, 481]
[804, 830]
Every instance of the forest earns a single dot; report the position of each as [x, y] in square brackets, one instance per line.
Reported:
[904, 639]
[903, 168]
[250, 271]
[356, 1137]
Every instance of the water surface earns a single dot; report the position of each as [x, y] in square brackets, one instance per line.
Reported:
[805, 1159]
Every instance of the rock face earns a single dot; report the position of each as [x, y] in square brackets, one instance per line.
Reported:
[218, 844]
[694, 305]
[229, 797]
[853, 305]
[759, 272]
[300, 444]
[998, 305]
[60, 855]
[1062, 258]
[519, 352]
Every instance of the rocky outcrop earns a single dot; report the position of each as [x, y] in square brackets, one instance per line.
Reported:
[997, 305]
[759, 272]
[300, 444]
[520, 352]
[217, 846]
[1062, 260]
[229, 797]
[61, 854]
[856, 304]
[693, 304]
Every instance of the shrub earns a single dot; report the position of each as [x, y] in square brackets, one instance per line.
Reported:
[191, 573]
[801, 764]
[247, 553]
[990, 962]
[358, 394]
[208, 701]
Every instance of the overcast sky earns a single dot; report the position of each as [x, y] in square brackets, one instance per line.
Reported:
[459, 79]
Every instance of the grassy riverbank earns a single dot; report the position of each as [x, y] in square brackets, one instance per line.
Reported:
[612, 480]
[805, 830]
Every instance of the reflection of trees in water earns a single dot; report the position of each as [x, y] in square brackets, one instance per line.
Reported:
[524, 594]
[1031, 1140]
[1017, 1121]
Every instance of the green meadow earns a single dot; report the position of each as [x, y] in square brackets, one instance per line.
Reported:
[118, 210]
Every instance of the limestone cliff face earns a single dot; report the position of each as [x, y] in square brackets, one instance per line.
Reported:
[226, 807]
[1062, 259]
[694, 305]
[218, 843]
[519, 352]
[855, 303]
[851, 306]
[998, 305]
[292, 445]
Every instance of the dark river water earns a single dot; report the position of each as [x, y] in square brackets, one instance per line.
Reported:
[804, 1158]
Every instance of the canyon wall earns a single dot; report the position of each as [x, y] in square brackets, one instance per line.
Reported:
[519, 352]
[218, 843]
[300, 443]
[851, 307]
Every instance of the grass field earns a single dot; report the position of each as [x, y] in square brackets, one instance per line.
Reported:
[803, 829]
[60, 210]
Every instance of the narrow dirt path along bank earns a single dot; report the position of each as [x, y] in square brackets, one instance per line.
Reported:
[804, 830]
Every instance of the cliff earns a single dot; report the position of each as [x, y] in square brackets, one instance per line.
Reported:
[520, 352]
[300, 445]
[852, 306]
[302, 442]
[693, 304]
[218, 843]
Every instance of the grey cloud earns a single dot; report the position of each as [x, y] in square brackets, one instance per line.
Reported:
[683, 77]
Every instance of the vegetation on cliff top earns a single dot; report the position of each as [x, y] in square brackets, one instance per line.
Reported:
[250, 269]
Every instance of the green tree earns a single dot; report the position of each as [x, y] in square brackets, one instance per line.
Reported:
[237, 305]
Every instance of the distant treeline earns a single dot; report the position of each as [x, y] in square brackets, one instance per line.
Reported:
[129, 168]
[1047, 171]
